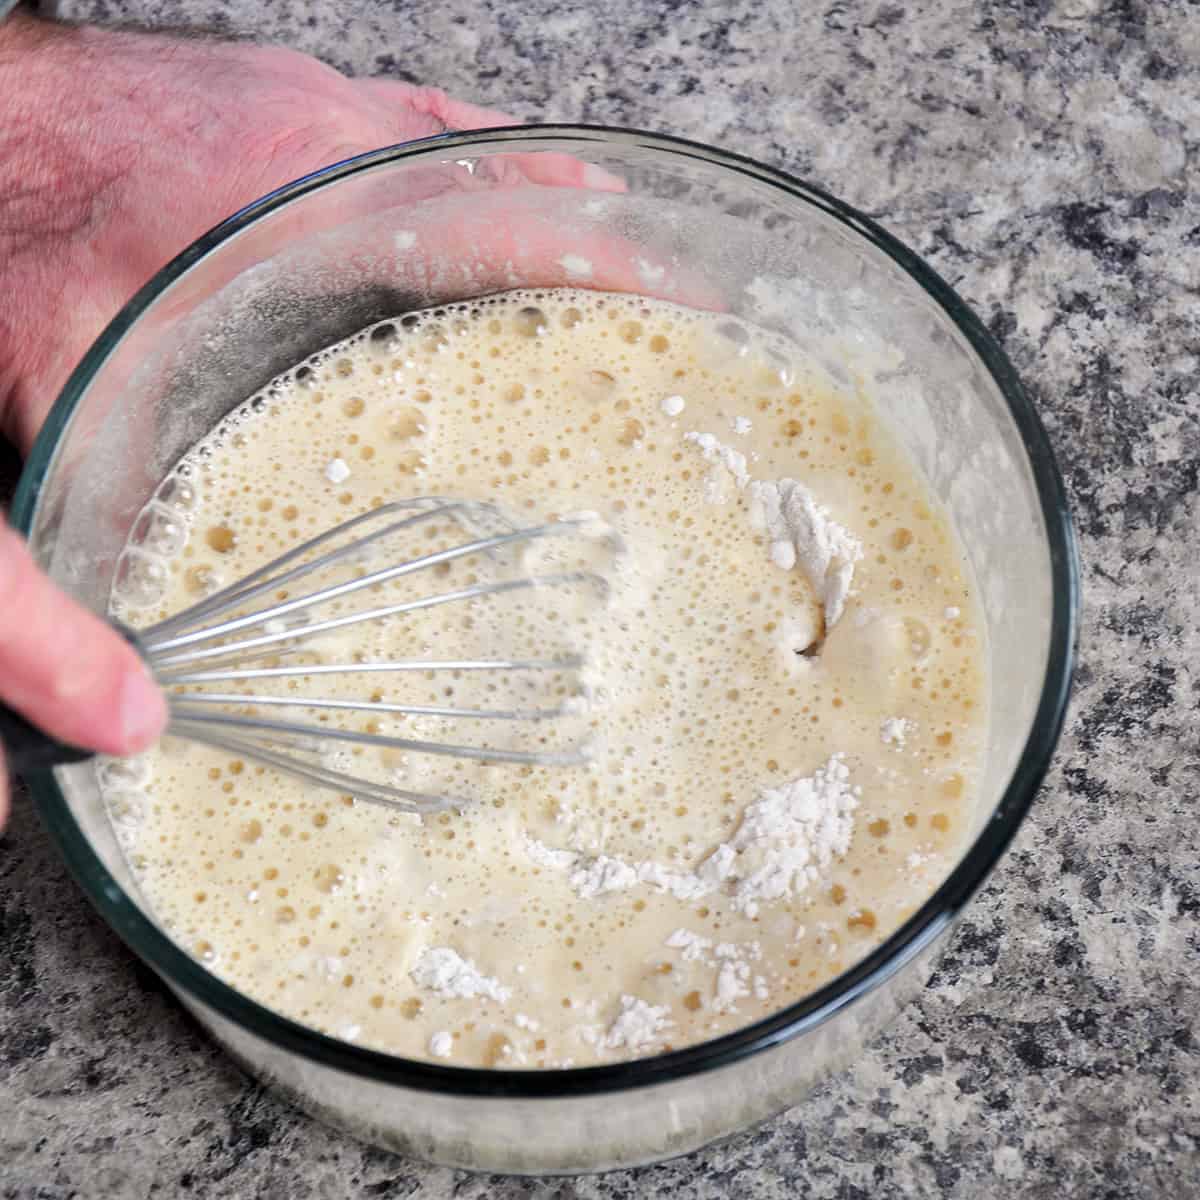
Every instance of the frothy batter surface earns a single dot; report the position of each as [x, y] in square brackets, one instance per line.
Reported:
[790, 675]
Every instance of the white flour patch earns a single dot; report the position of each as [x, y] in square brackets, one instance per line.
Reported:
[797, 635]
[786, 838]
[791, 834]
[446, 972]
[637, 1025]
[893, 731]
[548, 856]
[693, 945]
[719, 455]
[596, 876]
[800, 530]
[733, 982]
[440, 1044]
[733, 979]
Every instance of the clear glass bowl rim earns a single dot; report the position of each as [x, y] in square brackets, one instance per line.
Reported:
[180, 969]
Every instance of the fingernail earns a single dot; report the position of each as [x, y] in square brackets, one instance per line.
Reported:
[143, 711]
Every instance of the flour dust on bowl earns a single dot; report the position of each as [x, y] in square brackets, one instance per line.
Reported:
[820, 688]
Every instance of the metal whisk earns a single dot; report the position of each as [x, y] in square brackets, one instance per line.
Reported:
[226, 640]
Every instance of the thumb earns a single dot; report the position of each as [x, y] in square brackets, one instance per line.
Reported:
[66, 670]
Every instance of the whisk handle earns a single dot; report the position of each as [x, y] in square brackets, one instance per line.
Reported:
[27, 748]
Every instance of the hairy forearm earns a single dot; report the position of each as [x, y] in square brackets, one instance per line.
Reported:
[114, 154]
[119, 148]
[43, 194]
[45, 182]
[63, 156]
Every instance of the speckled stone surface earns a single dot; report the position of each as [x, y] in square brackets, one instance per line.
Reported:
[1044, 157]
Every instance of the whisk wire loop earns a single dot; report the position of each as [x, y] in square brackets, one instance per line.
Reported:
[216, 641]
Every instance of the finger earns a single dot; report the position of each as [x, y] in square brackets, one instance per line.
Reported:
[525, 239]
[544, 167]
[460, 114]
[550, 169]
[439, 112]
[66, 670]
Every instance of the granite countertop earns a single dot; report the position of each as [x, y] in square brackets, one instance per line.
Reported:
[1042, 155]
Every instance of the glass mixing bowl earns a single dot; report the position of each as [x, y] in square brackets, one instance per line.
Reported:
[456, 217]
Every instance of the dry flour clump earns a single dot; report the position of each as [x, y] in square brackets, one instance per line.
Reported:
[786, 838]
[447, 973]
[602, 874]
[693, 946]
[800, 530]
[637, 1025]
[548, 856]
[734, 979]
[792, 833]
[719, 455]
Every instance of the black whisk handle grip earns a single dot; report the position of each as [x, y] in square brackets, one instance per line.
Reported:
[27, 748]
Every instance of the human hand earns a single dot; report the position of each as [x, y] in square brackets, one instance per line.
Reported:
[117, 150]
[63, 669]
